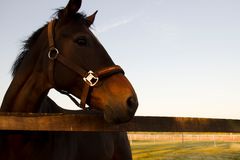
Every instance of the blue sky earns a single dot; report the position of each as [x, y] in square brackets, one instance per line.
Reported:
[182, 57]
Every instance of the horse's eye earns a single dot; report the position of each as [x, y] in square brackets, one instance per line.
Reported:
[81, 41]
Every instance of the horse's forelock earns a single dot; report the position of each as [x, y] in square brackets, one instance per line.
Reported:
[60, 15]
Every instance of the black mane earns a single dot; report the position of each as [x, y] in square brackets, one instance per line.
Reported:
[27, 44]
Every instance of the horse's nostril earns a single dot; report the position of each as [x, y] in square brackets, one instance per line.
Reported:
[132, 103]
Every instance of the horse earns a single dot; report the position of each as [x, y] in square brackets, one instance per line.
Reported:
[65, 55]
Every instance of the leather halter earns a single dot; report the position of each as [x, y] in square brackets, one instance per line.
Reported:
[90, 78]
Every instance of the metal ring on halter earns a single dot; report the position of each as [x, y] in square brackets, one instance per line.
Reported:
[53, 53]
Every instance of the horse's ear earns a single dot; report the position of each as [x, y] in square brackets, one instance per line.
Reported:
[72, 7]
[90, 19]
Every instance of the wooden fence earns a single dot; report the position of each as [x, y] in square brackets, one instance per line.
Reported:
[95, 122]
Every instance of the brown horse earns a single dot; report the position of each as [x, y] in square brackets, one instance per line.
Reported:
[65, 55]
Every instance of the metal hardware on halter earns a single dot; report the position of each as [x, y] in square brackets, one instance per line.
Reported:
[90, 79]
[53, 53]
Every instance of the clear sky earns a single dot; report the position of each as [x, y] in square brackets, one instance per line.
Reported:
[182, 57]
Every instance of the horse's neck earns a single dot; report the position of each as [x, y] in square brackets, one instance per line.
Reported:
[25, 93]
[49, 106]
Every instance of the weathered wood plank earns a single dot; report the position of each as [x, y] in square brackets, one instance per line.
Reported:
[95, 122]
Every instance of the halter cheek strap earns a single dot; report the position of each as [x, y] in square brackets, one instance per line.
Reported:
[90, 78]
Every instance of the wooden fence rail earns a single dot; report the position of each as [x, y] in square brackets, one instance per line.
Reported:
[95, 122]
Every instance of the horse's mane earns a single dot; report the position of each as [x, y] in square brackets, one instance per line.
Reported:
[27, 44]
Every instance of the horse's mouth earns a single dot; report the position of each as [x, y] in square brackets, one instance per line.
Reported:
[117, 116]
[110, 120]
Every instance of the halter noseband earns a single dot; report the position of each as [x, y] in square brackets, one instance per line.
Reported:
[90, 78]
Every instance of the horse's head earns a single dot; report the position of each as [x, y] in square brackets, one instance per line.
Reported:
[80, 52]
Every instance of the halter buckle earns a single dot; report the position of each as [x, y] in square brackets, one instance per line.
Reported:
[91, 79]
[53, 53]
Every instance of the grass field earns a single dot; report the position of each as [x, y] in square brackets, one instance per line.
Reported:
[185, 150]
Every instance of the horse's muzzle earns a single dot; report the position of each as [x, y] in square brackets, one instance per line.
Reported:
[116, 98]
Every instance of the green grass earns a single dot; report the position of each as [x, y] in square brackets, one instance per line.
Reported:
[190, 150]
